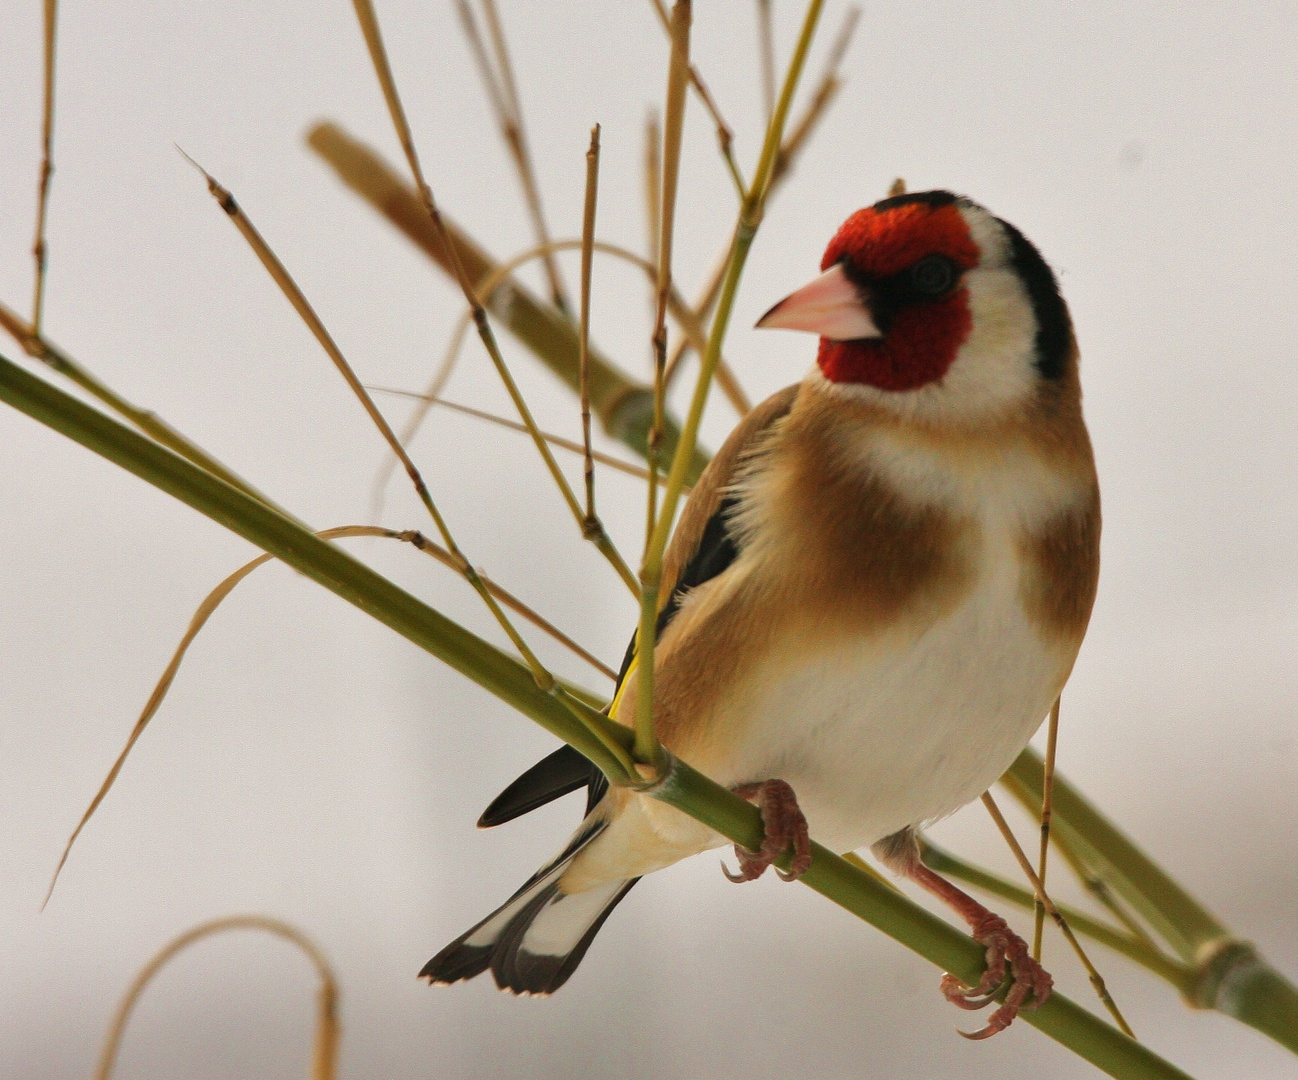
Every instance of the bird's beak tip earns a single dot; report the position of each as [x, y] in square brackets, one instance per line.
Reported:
[830, 306]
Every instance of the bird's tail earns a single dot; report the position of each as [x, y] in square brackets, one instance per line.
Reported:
[535, 940]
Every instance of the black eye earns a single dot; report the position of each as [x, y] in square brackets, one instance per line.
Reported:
[933, 275]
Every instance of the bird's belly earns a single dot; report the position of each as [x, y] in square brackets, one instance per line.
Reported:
[884, 731]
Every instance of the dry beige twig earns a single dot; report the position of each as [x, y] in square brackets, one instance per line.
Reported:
[1097, 981]
[324, 1056]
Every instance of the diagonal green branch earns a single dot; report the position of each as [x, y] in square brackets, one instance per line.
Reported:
[509, 680]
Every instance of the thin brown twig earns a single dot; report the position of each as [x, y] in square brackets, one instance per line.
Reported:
[39, 251]
[514, 132]
[513, 425]
[1097, 980]
[647, 748]
[653, 138]
[1047, 806]
[587, 261]
[766, 56]
[325, 1050]
[725, 136]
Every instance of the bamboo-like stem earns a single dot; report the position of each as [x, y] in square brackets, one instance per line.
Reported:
[1139, 950]
[587, 262]
[1229, 975]
[514, 425]
[766, 57]
[503, 676]
[1180, 920]
[509, 114]
[800, 132]
[1047, 804]
[826, 90]
[1099, 889]
[39, 252]
[750, 217]
[647, 748]
[725, 135]
[324, 1055]
[1043, 898]
[41, 348]
[624, 408]
[379, 58]
[653, 169]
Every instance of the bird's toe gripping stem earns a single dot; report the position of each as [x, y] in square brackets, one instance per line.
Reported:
[784, 826]
[1006, 953]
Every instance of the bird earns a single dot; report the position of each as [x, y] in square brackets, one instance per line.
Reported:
[872, 598]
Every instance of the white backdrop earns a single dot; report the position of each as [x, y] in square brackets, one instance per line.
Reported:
[311, 765]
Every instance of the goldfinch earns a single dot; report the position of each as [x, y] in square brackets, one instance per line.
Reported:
[874, 594]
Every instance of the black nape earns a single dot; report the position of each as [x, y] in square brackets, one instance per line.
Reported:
[1054, 330]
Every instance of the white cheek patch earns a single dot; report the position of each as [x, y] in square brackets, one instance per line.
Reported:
[995, 367]
[994, 370]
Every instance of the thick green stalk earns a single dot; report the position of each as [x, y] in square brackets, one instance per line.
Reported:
[509, 680]
[1228, 974]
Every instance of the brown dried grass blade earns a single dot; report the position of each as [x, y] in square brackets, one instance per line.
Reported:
[214, 599]
[325, 1050]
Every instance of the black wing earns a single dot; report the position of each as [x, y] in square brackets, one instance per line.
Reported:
[567, 769]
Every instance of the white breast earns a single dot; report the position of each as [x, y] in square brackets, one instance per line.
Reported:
[894, 729]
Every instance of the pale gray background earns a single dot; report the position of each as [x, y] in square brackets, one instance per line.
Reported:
[311, 765]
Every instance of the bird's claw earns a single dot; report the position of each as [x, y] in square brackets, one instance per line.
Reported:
[1007, 953]
[783, 824]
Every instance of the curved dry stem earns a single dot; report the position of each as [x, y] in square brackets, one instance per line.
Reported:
[686, 318]
[325, 1055]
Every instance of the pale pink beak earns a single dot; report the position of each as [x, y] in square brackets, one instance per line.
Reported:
[830, 306]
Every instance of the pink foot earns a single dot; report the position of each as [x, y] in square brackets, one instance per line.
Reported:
[784, 826]
[1007, 953]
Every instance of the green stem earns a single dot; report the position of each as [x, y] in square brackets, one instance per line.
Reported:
[1178, 918]
[509, 680]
